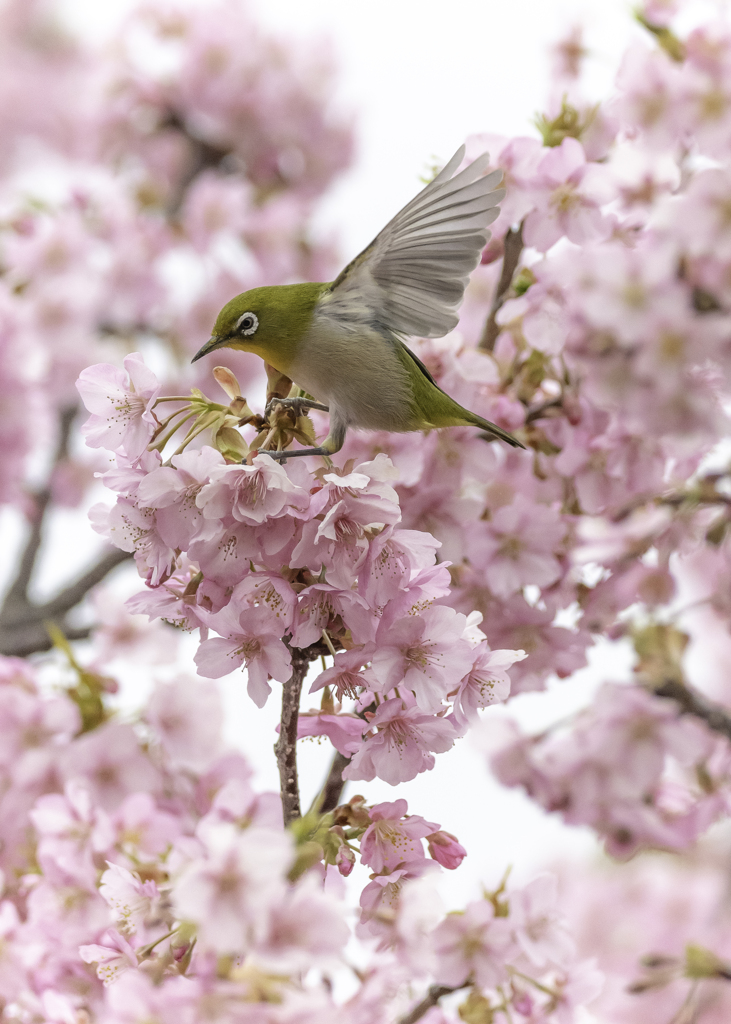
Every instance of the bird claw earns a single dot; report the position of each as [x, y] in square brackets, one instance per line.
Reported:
[298, 405]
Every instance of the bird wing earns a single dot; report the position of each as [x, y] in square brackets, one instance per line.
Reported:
[412, 276]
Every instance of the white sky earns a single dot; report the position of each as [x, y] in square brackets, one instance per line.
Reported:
[417, 76]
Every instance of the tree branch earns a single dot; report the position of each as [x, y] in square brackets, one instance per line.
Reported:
[203, 155]
[693, 703]
[22, 622]
[431, 999]
[334, 784]
[26, 638]
[511, 256]
[286, 746]
[75, 592]
[18, 591]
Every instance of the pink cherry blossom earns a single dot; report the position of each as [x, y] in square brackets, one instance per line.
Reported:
[229, 893]
[112, 956]
[129, 899]
[521, 547]
[445, 849]
[110, 763]
[249, 638]
[173, 491]
[567, 193]
[427, 654]
[120, 403]
[541, 930]
[401, 746]
[188, 718]
[345, 676]
[305, 928]
[143, 829]
[474, 943]
[71, 832]
[345, 732]
[486, 683]
[393, 836]
[251, 494]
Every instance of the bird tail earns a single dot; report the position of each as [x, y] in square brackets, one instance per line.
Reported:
[493, 430]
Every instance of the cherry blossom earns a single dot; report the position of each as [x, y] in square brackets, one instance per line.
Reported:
[401, 746]
[112, 957]
[568, 193]
[120, 403]
[227, 893]
[475, 943]
[129, 898]
[249, 638]
[393, 838]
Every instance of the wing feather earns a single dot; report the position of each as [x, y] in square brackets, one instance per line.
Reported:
[412, 276]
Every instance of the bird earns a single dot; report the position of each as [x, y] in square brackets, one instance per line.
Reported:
[343, 341]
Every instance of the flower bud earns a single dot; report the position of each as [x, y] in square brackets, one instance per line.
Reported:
[446, 850]
[227, 379]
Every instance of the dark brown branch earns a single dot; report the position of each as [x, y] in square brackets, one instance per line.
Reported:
[75, 592]
[432, 997]
[22, 622]
[203, 156]
[27, 638]
[693, 703]
[23, 625]
[332, 791]
[18, 591]
[511, 256]
[286, 746]
[539, 411]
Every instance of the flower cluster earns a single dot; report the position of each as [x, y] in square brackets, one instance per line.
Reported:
[628, 766]
[142, 875]
[271, 559]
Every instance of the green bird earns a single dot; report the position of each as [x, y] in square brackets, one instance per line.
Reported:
[342, 341]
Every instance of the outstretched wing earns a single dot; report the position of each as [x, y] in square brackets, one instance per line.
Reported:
[412, 276]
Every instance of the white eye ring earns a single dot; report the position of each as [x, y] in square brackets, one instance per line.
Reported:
[251, 320]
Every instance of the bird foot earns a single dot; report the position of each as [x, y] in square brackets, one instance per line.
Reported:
[298, 405]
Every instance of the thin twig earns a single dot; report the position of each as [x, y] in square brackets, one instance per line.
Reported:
[431, 999]
[693, 703]
[286, 746]
[511, 255]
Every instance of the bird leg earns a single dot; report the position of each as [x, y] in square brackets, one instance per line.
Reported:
[287, 453]
[332, 443]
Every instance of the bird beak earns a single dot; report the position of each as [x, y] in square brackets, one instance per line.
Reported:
[210, 345]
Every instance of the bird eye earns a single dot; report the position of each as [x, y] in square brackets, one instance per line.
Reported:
[247, 323]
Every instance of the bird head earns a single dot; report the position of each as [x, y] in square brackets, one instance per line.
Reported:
[269, 321]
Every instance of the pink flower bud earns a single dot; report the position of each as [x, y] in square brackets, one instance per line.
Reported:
[345, 860]
[446, 850]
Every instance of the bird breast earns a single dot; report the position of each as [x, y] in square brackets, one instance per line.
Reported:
[356, 371]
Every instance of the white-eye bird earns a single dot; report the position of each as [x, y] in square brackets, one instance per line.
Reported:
[342, 341]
